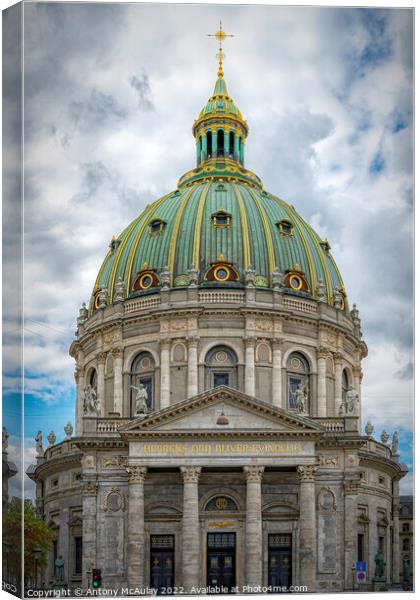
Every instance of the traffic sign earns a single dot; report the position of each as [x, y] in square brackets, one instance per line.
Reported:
[361, 566]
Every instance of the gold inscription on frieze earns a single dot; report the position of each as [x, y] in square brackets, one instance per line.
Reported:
[242, 448]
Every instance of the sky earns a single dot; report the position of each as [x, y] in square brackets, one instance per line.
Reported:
[111, 92]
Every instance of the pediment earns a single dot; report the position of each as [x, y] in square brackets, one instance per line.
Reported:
[241, 413]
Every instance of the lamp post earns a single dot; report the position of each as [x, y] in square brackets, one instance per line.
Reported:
[353, 570]
[36, 552]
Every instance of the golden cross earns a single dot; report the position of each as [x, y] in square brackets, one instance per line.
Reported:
[220, 37]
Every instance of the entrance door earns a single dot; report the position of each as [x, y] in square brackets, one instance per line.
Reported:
[279, 562]
[162, 563]
[221, 574]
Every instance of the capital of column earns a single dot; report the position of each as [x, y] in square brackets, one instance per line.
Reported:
[338, 358]
[253, 472]
[136, 474]
[306, 473]
[101, 358]
[322, 352]
[276, 344]
[117, 352]
[165, 343]
[190, 474]
[193, 341]
[250, 342]
[90, 488]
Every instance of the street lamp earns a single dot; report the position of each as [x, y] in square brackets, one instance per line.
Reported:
[36, 552]
[353, 571]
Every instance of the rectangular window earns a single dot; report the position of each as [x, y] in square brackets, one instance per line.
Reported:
[162, 541]
[279, 540]
[360, 547]
[78, 554]
[220, 379]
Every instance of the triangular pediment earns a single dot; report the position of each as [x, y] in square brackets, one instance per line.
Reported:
[222, 409]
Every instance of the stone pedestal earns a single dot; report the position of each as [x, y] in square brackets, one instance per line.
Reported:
[136, 533]
[253, 531]
[190, 530]
[89, 529]
[307, 525]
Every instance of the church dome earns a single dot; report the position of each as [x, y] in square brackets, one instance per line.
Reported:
[219, 228]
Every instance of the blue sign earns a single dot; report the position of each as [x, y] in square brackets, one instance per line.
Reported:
[361, 566]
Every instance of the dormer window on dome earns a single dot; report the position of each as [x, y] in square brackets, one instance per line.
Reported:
[325, 245]
[221, 272]
[146, 278]
[156, 226]
[221, 218]
[285, 227]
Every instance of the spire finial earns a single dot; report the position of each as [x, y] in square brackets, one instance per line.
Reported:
[220, 36]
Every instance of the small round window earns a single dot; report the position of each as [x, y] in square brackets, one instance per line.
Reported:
[296, 282]
[146, 281]
[221, 274]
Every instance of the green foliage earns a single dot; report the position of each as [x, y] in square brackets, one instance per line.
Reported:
[36, 535]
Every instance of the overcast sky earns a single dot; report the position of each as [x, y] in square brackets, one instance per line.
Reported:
[111, 92]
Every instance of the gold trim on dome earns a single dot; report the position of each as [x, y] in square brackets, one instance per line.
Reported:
[175, 231]
[244, 226]
[197, 227]
[136, 242]
[268, 233]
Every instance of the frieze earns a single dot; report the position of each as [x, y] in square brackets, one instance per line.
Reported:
[114, 461]
[231, 448]
[326, 460]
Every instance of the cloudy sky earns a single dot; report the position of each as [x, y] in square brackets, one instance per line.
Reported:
[111, 92]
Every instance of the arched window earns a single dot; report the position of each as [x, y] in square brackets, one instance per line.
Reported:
[231, 144]
[142, 374]
[93, 379]
[221, 367]
[298, 381]
[344, 384]
[209, 139]
[220, 142]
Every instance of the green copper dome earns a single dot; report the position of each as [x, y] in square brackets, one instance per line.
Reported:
[219, 228]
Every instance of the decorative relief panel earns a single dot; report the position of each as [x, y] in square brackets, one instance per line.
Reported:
[326, 460]
[115, 501]
[327, 530]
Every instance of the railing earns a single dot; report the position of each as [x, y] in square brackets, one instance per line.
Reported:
[221, 297]
[331, 424]
[300, 305]
[141, 304]
[378, 448]
[110, 425]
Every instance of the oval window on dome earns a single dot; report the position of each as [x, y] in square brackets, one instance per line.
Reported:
[222, 274]
[296, 282]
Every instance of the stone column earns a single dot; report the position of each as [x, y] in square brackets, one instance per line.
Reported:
[165, 374]
[117, 353]
[351, 489]
[358, 376]
[190, 530]
[322, 383]
[136, 533]
[277, 383]
[338, 382]
[307, 525]
[253, 544]
[101, 381]
[250, 366]
[396, 531]
[192, 367]
[214, 143]
[80, 382]
[89, 530]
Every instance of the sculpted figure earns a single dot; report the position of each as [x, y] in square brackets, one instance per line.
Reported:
[406, 570]
[379, 565]
[5, 439]
[351, 400]
[141, 399]
[394, 446]
[39, 448]
[59, 569]
[300, 397]
[90, 401]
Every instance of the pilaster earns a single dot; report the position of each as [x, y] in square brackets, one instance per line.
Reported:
[253, 552]
[190, 529]
[136, 532]
[307, 525]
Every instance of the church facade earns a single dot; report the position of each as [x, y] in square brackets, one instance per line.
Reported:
[218, 442]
